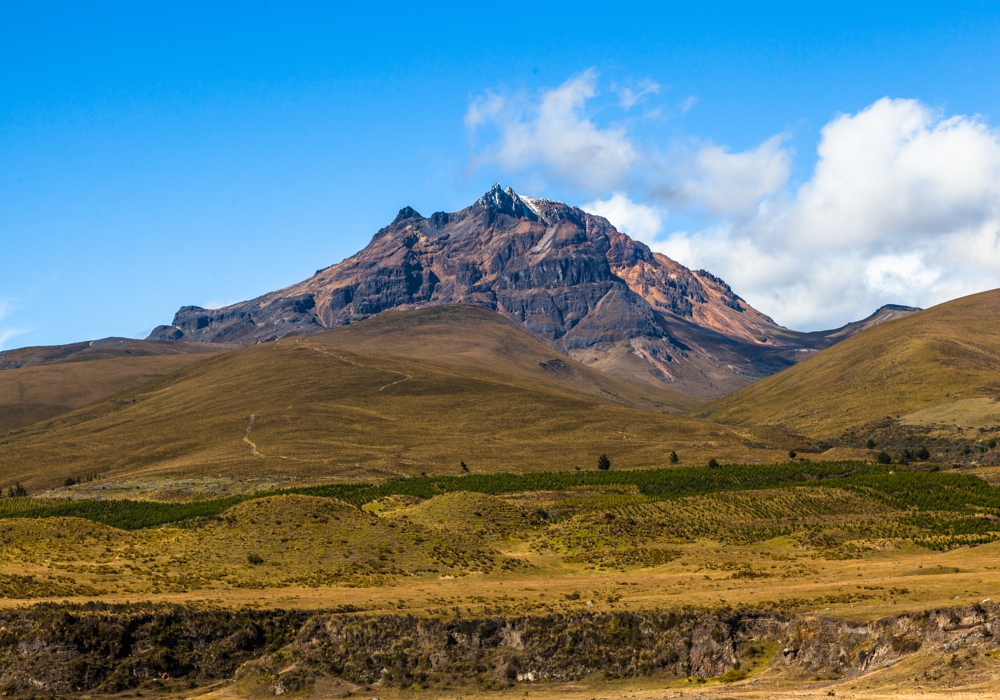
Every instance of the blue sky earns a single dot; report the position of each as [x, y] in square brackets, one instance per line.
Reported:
[160, 154]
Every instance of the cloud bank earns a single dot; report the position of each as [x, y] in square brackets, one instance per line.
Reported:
[902, 206]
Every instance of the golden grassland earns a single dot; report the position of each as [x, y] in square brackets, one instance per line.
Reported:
[37, 393]
[812, 550]
[942, 355]
[407, 394]
[309, 409]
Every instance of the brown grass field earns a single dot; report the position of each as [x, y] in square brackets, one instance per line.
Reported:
[311, 409]
[466, 554]
[410, 393]
[939, 356]
[37, 384]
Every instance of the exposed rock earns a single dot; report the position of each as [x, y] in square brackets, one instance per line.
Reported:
[110, 648]
[566, 276]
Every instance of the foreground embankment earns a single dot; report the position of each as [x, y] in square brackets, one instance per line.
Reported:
[60, 649]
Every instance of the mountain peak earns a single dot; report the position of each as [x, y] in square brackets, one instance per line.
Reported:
[507, 201]
[569, 278]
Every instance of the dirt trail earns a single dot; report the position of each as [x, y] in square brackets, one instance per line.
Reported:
[247, 440]
[330, 353]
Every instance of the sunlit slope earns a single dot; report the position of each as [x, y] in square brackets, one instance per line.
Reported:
[942, 355]
[37, 384]
[303, 407]
[475, 337]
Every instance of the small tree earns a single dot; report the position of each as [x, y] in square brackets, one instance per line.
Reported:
[791, 453]
[713, 463]
[603, 463]
[923, 454]
[674, 459]
[905, 457]
[465, 467]
[883, 458]
[870, 444]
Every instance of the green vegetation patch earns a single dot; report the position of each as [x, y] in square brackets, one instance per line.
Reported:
[943, 504]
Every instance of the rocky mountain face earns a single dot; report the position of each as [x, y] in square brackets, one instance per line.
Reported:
[568, 277]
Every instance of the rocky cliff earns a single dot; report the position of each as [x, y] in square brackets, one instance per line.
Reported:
[568, 277]
[69, 650]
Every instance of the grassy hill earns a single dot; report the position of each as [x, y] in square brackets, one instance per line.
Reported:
[949, 354]
[341, 404]
[476, 338]
[38, 383]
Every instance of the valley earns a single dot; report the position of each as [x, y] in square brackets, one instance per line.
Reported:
[506, 451]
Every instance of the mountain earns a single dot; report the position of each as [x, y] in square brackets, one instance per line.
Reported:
[567, 277]
[399, 394]
[39, 383]
[936, 366]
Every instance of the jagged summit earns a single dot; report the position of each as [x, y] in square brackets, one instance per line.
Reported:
[507, 201]
[566, 276]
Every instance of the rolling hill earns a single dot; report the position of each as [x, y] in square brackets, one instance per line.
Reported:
[938, 365]
[398, 395]
[39, 383]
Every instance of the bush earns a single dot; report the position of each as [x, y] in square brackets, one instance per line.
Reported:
[603, 463]
[905, 457]
[870, 444]
[713, 463]
[255, 559]
[883, 458]
[733, 675]
[791, 453]
[674, 459]
[465, 467]
[922, 453]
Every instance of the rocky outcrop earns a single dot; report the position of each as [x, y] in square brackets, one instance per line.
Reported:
[568, 277]
[70, 649]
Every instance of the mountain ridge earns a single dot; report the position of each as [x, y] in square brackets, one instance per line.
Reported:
[568, 277]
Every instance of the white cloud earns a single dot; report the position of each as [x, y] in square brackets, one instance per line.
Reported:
[903, 207]
[735, 182]
[641, 221]
[554, 136]
[688, 104]
[8, 333]
[629, 98]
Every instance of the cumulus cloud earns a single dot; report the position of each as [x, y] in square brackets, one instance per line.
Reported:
[903, 207]
[723, 181]
[641, 221]
[554, 135]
